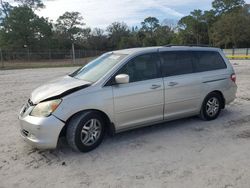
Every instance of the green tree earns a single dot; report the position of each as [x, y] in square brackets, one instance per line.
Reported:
[193, 28]
[130, 41]
[116, 31]
[147, 32]
[209, 18]
[33, 4]
[222, 6]
[24, 27]
[70, 25]
[232, 29]
[164, 35]
[97, 40]
[69, 28]
[149, 25]
[5, 9]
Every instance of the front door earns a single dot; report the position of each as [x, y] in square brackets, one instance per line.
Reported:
[141, 100]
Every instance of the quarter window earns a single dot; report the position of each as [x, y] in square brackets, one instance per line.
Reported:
[207, 61]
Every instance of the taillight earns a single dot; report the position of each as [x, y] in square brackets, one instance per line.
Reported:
[233, 78]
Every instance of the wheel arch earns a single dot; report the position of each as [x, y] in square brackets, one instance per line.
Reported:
[222, 97]
[109, 124]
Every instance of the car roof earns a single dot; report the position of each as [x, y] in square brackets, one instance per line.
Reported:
[135, 50]
[163, 48]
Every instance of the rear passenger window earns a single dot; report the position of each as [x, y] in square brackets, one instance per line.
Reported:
[207, 61]
[177, 63]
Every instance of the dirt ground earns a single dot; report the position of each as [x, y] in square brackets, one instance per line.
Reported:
[183, 153]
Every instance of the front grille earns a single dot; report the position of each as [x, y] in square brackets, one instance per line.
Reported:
[24, 132]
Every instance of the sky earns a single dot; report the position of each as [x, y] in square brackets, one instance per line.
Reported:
[101, 13]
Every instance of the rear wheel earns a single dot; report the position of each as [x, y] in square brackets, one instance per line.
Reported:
[211, 106]
[85, 131]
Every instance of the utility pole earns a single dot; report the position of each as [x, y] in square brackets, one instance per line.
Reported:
[247, 51]
[28, 51]
[1, 56]
[73, 52]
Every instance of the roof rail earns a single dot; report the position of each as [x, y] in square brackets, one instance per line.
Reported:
[189, 45]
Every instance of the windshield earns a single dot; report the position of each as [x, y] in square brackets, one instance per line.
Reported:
[97, 68]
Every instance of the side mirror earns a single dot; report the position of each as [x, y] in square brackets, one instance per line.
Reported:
[122, 79]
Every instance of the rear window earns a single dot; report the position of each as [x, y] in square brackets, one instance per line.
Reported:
[177, 63]
[207, 61]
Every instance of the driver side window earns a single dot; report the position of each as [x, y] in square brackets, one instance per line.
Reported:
[143, 67]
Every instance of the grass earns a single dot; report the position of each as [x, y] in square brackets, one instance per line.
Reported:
[238, 56]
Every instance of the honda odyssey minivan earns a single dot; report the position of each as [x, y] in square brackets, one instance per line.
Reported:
[127, 89]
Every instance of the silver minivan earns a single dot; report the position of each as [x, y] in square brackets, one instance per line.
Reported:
[126, 89]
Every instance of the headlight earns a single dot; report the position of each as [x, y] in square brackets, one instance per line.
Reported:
[45, 109]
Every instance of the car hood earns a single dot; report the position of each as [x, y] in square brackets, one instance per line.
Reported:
[58, 88]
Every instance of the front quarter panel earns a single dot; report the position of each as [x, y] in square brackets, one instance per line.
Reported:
[92, 98]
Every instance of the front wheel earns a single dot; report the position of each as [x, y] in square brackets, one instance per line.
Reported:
[85, 131]
[211, 107]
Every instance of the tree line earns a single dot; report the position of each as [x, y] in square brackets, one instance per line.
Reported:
[226, 25]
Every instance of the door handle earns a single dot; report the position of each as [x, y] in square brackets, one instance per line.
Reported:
[172, 84]
[155, 86]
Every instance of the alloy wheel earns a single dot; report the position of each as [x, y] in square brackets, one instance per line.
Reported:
[91, 132]
[212, 106]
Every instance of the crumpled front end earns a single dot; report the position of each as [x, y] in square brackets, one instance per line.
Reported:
[40, 132]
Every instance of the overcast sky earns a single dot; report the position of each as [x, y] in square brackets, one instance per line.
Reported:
[100, 13]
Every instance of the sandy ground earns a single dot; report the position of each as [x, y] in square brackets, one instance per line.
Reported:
[183, 153]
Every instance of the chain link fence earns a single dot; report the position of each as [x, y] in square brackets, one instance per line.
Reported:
[237, 53]
[26, 57]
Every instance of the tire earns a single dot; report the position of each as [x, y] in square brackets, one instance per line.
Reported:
[85, 131]
[211, 106]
